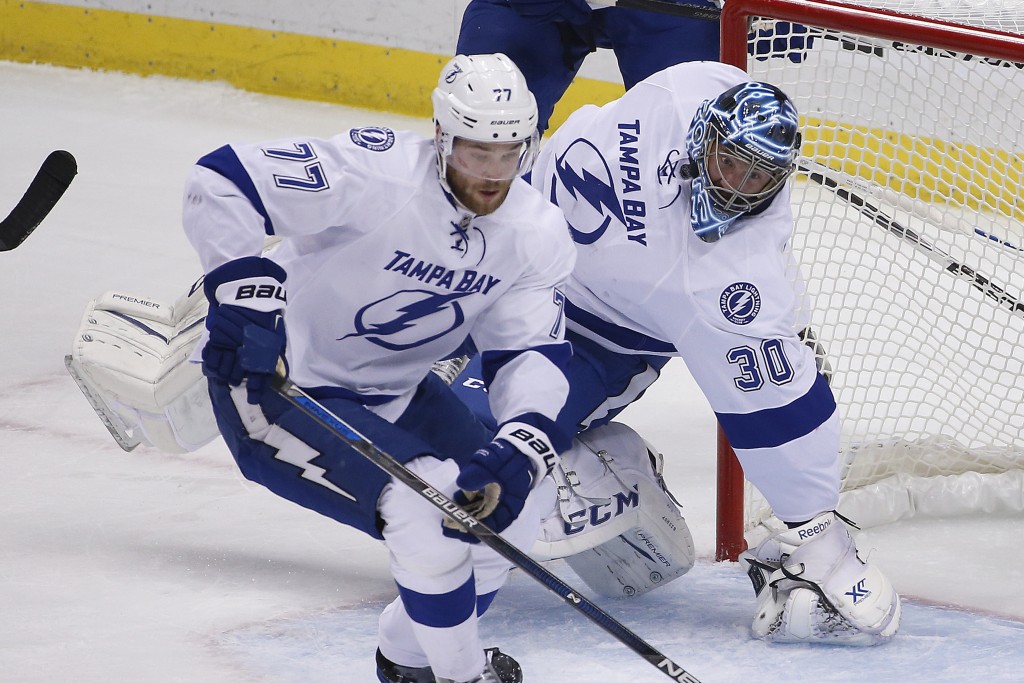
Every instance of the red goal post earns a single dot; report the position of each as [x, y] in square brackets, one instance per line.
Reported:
[928, 374]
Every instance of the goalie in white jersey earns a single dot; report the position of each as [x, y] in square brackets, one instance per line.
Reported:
[395, 250]
[677, 197]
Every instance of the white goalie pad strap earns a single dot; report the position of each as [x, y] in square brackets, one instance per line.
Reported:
[619, 528]
[812, 586]
[130, 357]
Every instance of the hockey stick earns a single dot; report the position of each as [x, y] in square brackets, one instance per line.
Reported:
[52, 179]
[666, 7]
[981, 282]
[359, 443]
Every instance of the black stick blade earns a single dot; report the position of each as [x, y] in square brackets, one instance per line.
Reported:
[49, 185]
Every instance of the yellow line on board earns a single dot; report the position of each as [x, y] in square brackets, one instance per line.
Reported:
[271, 62]
[927, 169]
[400, 81]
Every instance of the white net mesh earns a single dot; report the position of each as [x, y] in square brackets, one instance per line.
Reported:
[1001, 15]
[910, 237]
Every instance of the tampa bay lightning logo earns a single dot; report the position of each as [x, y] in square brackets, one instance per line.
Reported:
[373, 138]
[408, 319]
[452, 74]
[582, 173]
[740, 303]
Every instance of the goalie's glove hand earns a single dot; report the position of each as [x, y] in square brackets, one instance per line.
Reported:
[495, 483]
[573, 11]
[246, 323]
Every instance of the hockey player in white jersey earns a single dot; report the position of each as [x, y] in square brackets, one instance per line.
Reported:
[677, 197]
[395, 250]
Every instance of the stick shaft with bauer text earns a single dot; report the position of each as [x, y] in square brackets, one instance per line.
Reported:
[359, 443]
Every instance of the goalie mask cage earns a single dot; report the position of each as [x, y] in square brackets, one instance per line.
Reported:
[910, 242]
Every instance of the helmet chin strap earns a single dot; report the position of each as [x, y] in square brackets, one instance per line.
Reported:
[440, 146]
[442, 177]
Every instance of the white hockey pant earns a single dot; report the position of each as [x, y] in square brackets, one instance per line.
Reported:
[427, 562]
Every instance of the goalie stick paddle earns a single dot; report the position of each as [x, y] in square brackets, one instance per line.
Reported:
[681, 9]
[359, 443]
[981, 282]
[52, 179]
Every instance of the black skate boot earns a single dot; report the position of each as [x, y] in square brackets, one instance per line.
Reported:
[500, 668]
[389, 672]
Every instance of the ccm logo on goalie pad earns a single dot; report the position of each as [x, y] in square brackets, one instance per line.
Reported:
[600, 513]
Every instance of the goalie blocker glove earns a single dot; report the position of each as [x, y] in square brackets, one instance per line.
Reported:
[812, 587]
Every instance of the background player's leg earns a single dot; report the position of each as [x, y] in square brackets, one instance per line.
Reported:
[548, 53]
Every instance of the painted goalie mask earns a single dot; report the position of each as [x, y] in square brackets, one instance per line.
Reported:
[744, 145]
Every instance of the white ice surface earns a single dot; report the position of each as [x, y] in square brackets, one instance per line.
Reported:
[147, 567]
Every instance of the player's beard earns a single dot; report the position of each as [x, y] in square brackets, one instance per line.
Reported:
[476, 194]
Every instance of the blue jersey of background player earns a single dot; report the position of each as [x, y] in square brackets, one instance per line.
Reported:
[549, 39]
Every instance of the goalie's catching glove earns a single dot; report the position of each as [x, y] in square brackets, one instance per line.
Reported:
[494, 485]
[246, 323]
[812, 587]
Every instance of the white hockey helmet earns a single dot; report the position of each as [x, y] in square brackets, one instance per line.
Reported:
[485, 99]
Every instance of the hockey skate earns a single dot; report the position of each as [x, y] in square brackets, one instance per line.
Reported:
[389, 672]
[500, 668]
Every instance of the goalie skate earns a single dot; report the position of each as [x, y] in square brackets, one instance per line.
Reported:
[811, 586]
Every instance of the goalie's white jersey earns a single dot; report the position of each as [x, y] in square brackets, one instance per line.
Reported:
[644, 282]
[386, 274]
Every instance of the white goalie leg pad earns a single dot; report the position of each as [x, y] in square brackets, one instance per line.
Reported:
[131, 360]
[615, 522]
[812, 587]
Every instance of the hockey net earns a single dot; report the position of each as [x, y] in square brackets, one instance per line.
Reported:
[910, 241]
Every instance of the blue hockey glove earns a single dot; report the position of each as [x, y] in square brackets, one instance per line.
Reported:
[573, 11]
[495, 483]
[793, 41]
[246, 323]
